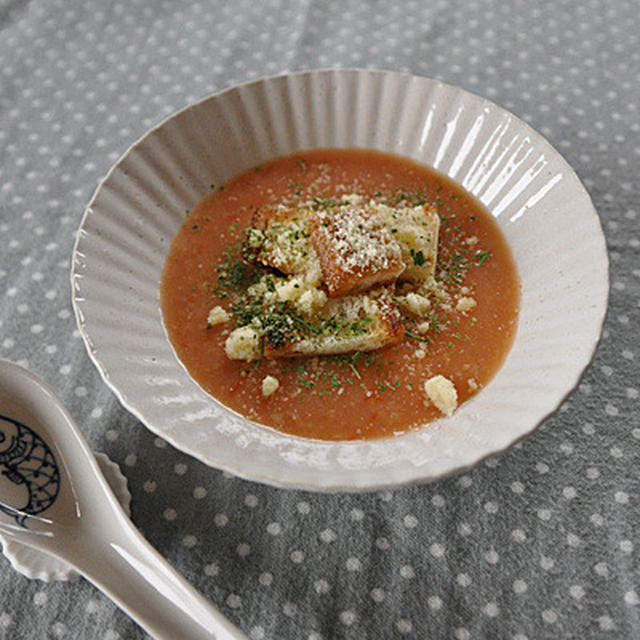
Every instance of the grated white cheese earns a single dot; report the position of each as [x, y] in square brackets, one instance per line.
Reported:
[359, 238]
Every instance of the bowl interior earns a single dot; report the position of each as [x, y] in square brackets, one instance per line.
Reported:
[535, 196]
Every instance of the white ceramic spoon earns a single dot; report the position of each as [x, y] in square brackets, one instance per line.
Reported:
[54, 498]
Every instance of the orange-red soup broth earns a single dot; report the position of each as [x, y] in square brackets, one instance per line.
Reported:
[359, 395]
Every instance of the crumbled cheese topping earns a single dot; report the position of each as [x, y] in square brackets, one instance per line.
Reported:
[442, 393]
[465, 304]
[353, 198]
[311, 301]
[269, 385]
[423, 327]
[339, 270]
[415, 304]
[217, 315]
[243, 343]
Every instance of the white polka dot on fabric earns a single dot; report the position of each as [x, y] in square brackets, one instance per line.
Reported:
[492, 556]
[321, 586]
[347, 617]
[407, 571]
[517, 487]
[621, 497]
[221, 520]
[573, 540]
[378, 595]
[491, 507]
[303, 508]
[606, 623]
[404, 626]
[519, 586]
[92, 606]
[576, 591]
[353, 564]
[149, 486]
[410, 521]
[626, 546]
[383, 544]
[170, 514]
[265, 579]
[463, 579]
[189, 541]
[518, 535]
[328, 535]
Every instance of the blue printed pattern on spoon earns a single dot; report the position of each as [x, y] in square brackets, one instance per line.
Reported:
[26, 459]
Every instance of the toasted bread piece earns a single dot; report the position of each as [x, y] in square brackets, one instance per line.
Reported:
[362, 322]
[355, 248]
[279, 238]
[416, 231]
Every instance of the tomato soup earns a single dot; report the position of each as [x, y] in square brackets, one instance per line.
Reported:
[464, 337]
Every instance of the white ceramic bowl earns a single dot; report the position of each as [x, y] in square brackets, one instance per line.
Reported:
[541, 206]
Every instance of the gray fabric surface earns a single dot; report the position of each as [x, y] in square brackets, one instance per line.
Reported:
[541, 542]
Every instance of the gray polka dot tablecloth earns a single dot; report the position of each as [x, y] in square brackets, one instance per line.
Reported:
[540, 542]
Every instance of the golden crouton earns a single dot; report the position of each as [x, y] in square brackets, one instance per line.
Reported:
[362, 322]
[279, 238]
[416, 231]
[355, 248]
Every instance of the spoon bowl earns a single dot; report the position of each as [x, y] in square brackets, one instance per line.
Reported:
[54, 498]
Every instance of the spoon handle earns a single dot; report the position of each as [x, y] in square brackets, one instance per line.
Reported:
[126, 568]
